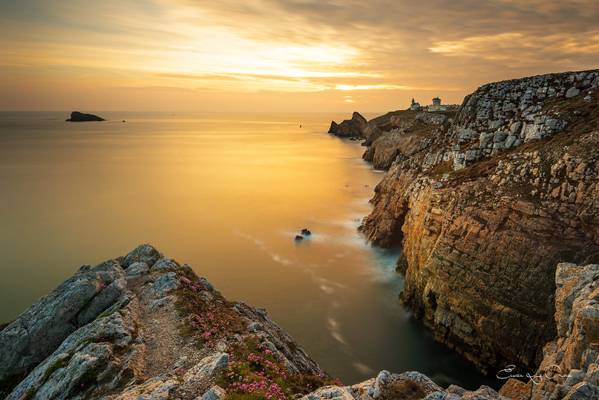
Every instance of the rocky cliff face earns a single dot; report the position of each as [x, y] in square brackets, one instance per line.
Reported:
[482, 232]
[503, 115]
[570, 366]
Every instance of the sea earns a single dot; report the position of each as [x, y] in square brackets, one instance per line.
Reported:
[225, 193]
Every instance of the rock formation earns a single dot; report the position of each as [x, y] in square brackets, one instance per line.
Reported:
[76, 116]
[486, 205]
[570, 367]
[349, 128]
[143, 325]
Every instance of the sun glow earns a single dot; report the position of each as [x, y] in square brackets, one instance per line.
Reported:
[267, 54]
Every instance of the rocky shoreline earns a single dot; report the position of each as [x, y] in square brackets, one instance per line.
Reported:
[485, 202]
[144, 326]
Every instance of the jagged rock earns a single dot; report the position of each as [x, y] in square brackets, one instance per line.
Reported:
[572, 92]
[165, 264]
[350, 128]
[405, 386]
[516, 390]
[157, 388]
[86, 354]
[142, 253]
[207, 367]
[569, 369]
[333, 128]
[76, 116]
[37, 332]
[137, 269]
[99, 335]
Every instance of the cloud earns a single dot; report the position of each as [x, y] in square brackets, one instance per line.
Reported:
[388, 50]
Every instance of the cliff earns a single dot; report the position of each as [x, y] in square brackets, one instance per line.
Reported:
[486, 205]
[570, 366]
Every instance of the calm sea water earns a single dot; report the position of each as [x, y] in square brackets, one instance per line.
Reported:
[225, 193]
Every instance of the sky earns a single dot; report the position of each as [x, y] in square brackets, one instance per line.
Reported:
[280, 56]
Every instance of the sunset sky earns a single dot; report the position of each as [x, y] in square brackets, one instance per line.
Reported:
[287, 55]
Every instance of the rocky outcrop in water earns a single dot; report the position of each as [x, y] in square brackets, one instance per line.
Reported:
[77, 116]
[349, 128]
[481, 234]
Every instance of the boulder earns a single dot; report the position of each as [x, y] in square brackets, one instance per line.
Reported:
[572, 92]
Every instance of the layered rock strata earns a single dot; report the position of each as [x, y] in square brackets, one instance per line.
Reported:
[481, 238]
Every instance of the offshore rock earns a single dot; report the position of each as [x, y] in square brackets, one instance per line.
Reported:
[350, 128]
[77, 116]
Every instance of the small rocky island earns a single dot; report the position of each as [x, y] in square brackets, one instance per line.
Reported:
[77, 116]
